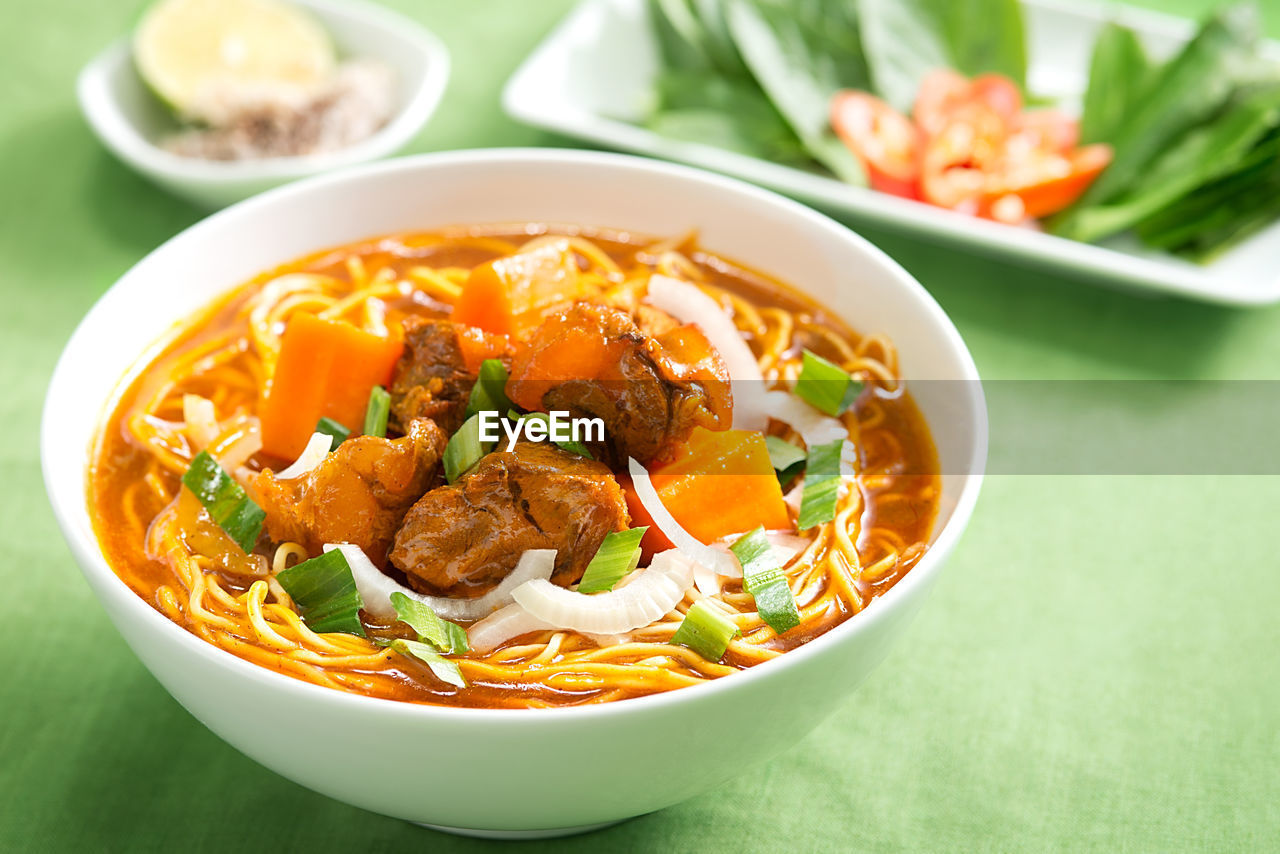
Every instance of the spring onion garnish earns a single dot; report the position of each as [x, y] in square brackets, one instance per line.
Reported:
[618, 554]
[821, 485]
[787, 459]
[464, 449]
[825, 385]
[329, 427]
[763, 579]
[227, 503]
[443, 635]
[567, 445]
[326, 593]
[375, 415]
[706, 630]
[444, 669]
[490, 391]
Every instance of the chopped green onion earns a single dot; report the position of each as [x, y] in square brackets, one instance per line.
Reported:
[444, 669]
[568, 445]
[821, 485]
[443, 635]
[325, 593]
[490, 391]
[464, 449]
[227, 502]
[706, 630]
[825, 385]
[618, 554]
[329, 427]
[763, 579]
[377, 412]
[787, 459]
[783, 454]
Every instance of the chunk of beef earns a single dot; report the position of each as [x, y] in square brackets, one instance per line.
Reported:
[594, 362]
[462, 539]
[432, 379]
[357, 494]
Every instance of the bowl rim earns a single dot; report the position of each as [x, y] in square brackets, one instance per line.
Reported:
[116, 131]
[94, 566]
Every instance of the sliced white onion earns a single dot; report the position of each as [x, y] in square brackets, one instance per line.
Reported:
[696, 551]
[503, 625]
[607, 640]
[786, 545]
[243, 448]
[654, 593]
[813, 426]
[706, 580]
[376, 587]
[318, 447]
[689, 304]
[202, 421]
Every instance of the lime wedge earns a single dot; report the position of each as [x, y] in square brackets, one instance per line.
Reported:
[183, 48]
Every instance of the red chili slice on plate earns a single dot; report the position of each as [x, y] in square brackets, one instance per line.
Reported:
[886, 141]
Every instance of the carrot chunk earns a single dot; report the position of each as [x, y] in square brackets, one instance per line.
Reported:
[507, 295]
[717, 483]
[326, 369]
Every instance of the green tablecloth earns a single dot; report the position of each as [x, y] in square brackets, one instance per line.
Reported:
[1097, 668]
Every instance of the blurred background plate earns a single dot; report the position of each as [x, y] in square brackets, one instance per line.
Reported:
[591, 78]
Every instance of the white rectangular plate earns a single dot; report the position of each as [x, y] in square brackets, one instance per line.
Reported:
[591, 79]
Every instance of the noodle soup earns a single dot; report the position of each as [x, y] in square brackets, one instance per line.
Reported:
[299, 477]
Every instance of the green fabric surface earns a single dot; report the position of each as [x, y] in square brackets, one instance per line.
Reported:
[1097, 668]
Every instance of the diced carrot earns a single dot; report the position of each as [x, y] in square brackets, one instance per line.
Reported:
[477, 345]
[507, 295]
[717, 483]
[326, 369]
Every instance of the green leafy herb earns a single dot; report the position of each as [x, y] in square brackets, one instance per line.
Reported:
[329, 427]
[821, 485]
[325, 593]
[826, 386]
[225, 500]
[377, 412]
[801, 62]
[1201, 155]
[762, 577]
[703, 91]
[1189, 89]
[1219, 214]
[445, 636]
[444, 669]
[706, 630]
[1118, 73]
[906, 39]
[464, 449]
[490, 391]
[618, 554]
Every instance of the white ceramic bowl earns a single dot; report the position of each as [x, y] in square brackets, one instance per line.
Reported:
[129, 119]
[519, 772]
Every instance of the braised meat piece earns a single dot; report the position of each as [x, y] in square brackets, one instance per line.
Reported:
[462, 539]
[433, 378]
[594, 362]
[357, 494]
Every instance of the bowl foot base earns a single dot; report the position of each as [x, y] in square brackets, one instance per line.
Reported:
[549, 833]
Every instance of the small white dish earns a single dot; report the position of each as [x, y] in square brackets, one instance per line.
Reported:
[591, 78]
[129, 119]
[514, 772]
